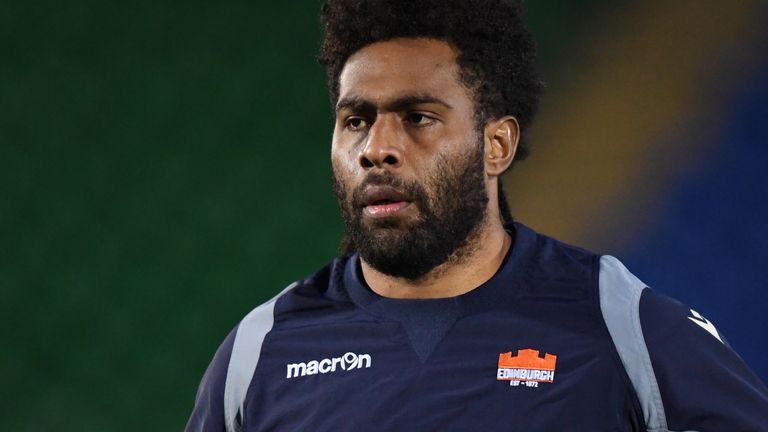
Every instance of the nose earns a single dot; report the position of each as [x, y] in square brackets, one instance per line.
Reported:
[383, 147]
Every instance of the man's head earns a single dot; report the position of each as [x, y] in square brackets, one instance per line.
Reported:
[430, 99]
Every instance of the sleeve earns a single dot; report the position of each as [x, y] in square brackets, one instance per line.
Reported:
[704, 384]
[208, 413]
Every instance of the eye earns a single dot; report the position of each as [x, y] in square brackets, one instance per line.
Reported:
[355, 123]
[419, 119]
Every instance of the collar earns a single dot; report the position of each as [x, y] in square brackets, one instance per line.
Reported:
[504, 285]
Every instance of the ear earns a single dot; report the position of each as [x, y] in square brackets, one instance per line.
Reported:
[501, 138]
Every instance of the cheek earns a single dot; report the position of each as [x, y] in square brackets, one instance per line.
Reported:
[342, 174]
[343, 161]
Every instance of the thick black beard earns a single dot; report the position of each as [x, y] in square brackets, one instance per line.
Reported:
[444, 230]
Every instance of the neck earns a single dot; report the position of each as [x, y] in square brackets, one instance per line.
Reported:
[478, 261]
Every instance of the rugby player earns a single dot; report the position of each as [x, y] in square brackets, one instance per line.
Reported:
[441, 312]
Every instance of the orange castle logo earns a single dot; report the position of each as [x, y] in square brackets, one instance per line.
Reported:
[526, 366]
[527, 359]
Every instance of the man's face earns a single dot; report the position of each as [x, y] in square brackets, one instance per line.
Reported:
[408, 160]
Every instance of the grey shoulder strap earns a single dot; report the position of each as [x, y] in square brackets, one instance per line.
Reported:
[620, 294]
[246, 350]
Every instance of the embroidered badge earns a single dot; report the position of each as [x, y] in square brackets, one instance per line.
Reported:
[526, 368]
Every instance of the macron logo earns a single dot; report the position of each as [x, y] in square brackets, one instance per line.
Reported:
[705, 324]
[347, 362]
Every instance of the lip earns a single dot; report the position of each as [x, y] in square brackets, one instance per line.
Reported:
[384, 201]
[385, 210]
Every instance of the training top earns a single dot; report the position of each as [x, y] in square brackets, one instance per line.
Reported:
[559, 339]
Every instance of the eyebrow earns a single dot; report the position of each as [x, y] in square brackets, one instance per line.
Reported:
[402, 103]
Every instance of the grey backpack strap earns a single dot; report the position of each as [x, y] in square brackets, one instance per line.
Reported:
[620, 293]
[246, 350]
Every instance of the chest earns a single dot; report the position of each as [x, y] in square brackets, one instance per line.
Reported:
[492, 371]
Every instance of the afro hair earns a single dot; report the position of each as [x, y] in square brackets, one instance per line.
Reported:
[496, 53]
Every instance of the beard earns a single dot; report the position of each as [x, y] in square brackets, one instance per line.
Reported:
[452, 205]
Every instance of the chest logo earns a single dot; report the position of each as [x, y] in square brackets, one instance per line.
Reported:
[347, 362]
[526, 368]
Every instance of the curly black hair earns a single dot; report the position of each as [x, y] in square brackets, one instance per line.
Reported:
[496, 53]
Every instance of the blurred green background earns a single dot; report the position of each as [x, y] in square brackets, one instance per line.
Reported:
[164, 168]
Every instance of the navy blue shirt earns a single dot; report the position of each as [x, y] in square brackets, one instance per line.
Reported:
[535, 348]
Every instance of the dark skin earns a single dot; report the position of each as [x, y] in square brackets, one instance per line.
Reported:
[401, 106]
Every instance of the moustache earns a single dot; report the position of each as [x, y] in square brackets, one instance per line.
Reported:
[411, 191]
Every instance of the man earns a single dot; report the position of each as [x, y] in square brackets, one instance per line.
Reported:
[441, 313]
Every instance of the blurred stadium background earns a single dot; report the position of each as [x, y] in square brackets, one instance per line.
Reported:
[164, 169]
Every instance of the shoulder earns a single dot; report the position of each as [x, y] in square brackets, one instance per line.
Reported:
[321, 289]
[698, 371]
[223, 387]
[208, 412]
[685, 375]
[556, 258]
[552, 268]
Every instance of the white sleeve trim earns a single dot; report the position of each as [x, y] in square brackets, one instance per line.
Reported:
[620, 293]
[246, 350]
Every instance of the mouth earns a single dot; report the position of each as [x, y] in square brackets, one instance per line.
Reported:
[384, 201]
